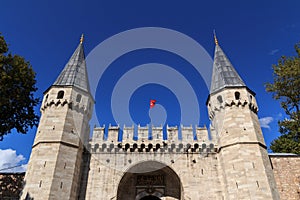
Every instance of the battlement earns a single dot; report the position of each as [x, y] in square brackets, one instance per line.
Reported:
[231, 97]
[153, 139]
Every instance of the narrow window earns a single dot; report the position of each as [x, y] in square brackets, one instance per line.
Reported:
[257, 184]
[27, 196]
[271, 163]
[61, 185]
[237, 95]
[202, 171]
[78, 98]
[60, 94]
[65, 165]
[40, 185]
[46, 98]
[45, 163]
[220, 99]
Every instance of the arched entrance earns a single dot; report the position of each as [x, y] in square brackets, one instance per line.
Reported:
[149, 180]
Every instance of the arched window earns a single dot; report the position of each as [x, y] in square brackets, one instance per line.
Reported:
[96, 147]
[220, 99]
[60, 94]
[78, 98]
[237, 95]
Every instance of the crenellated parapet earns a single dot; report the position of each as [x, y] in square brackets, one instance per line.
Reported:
[231, 97]
[55, 102]
[79, 107]
[170, 139]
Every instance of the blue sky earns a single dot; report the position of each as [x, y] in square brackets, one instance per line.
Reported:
[253, 34]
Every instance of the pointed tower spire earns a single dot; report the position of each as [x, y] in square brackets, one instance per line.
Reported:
[215, 37]
[75, 72]
[82, 38]
[224, 74]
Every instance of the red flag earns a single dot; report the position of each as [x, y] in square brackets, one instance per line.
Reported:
[152, 103]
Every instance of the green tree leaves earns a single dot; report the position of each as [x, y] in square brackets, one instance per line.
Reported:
[286, 89]
[17, 84]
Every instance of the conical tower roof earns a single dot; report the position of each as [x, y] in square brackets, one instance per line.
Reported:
[75, 72]
[224, 74]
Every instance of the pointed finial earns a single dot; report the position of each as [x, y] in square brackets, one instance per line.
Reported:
[81, 38]
[215, 37]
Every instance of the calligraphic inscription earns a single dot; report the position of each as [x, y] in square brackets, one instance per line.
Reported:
[150, 180]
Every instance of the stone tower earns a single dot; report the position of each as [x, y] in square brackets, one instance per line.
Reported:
[54, 168]
[245, 165]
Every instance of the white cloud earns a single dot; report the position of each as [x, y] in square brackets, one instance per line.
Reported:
[279, 115]
[265, 121]
[273, 52]
[11, 162]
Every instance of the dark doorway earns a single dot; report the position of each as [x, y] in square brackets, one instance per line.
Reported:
[149, 180]
[150, 198]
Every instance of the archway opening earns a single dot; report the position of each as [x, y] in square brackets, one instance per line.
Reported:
[149, 180]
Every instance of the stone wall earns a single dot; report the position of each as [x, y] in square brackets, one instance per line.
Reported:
[115, 166]
[286, 168]
[114, 174]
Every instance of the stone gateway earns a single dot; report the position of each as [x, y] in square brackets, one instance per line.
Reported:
[228, 161]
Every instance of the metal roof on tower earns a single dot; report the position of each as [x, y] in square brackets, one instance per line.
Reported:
[224, 74]
[75, 72]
